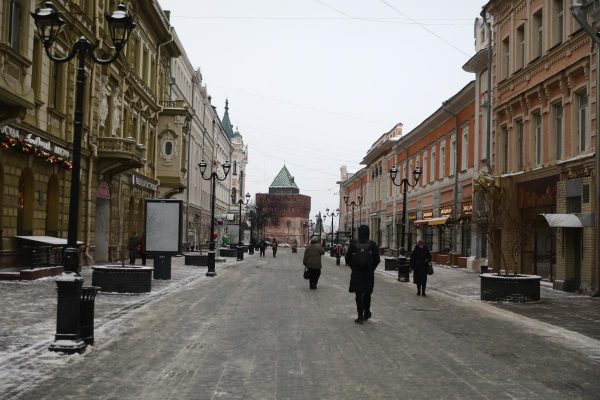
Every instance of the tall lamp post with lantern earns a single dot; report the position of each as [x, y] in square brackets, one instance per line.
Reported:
[49, 22]
[403, 268]
[214, 176]
[240, 202]
[353, 203]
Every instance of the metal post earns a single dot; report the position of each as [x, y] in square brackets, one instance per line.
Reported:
[240, 252]
[403, 227]
[211, 243]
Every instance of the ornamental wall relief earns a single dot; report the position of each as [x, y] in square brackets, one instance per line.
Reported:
[168, 148]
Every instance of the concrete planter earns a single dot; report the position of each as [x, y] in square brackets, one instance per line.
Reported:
[196, 259]
[391, 264]
[118, 279]
[228, 253]
[462, 262]
[515, 289]
[443, 258]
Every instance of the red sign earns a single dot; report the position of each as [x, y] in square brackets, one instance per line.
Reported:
[103, 190]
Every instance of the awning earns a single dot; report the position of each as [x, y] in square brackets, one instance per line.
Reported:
[431, 221]
[568, 220]
[53, 241]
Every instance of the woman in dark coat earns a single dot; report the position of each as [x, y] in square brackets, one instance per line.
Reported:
[419, 258]
[362, 277]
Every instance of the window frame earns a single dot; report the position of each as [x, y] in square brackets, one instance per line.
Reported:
[558, 128]
[464, 155]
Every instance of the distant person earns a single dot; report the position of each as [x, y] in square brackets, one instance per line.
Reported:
[142, 248]
[339, 249]
[133, 247]
[362, 257]
[312, 261]
[262, 246]
[274, 245]
[419, 260]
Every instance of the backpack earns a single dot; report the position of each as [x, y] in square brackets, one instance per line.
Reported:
[361, 258]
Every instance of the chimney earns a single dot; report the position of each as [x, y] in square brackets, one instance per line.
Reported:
[343, 173]
[168, 15]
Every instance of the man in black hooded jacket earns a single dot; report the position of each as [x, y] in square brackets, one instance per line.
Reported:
[362, 257]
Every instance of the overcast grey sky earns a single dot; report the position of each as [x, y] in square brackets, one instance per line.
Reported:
[313, 83]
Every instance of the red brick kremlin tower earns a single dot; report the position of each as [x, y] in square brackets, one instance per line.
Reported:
[287, 210]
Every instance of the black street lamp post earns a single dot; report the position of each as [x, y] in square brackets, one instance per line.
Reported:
[405, 184]
[48, 23]
[241, 202]
[333, 215]
[211, 241]
[353, 203]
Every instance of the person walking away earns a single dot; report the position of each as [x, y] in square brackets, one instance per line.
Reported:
[132, 247]
[419, 259]
[338, 253]
[262, 246]
[312, 261]
[362, 257]
[142, 247]
[274, 244]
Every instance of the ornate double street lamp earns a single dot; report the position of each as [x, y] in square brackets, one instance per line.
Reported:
[353, 203]
[241, 202]
[49, 22]
[333, 215]
[211, 240]
[405, 184]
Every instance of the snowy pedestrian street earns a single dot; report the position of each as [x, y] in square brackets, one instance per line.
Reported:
[256, 331]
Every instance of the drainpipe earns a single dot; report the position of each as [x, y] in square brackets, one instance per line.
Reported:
[576, 10]
[455, 208]
[488, 128]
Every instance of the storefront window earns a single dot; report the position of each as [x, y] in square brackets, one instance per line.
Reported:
[466, 240]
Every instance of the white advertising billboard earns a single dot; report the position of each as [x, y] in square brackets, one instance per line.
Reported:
[163, 226]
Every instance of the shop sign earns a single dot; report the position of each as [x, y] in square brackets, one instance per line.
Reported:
[427, 214]
[412, 216]
[446, 211]
[139, 181]
[103, 191]
[36, 141]
[467, 208]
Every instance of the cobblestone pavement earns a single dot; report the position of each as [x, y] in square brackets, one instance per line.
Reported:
[570, 311]
[257, 332]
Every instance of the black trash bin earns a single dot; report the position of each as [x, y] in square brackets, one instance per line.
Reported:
[162, 267]
[403, 269]
[86, 313]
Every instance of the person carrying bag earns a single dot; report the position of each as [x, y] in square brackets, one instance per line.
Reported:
[420, 265]
[312, 262]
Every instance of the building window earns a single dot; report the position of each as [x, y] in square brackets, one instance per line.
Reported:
[520, 46]
[505, 57]
[504, 149]
[582, 104]
[14, 24]
[36, 68]
[442, 162]
[558, 129]
[56, 92]
[452, 155]
[520, 152]
[424, 181]
[432, 168]
[537, 34]
[233, 195]
[537, 137]
[558, 12]
[464, 156]
[234, 168]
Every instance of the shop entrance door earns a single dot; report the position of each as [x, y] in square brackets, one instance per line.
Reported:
[102, 232]
[575, 235]
[545, 253]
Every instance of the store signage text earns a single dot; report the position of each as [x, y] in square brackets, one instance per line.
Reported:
[36, 141]
[427, 214]
[446, 211]
[467, 208]
[139, 181]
